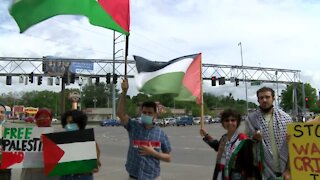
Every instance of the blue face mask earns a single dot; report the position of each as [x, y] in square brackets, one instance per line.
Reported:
[147, 120]
[71, 127]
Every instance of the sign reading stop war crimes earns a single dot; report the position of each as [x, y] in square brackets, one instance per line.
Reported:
[22, 147]
[304, 151]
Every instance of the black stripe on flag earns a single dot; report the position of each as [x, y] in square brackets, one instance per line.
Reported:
[71, 136]
[145, 65]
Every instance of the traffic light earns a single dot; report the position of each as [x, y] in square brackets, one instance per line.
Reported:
[57, 81]
[115, 78]
[80, 81]
[97, 81]
[72, 78]
[108, 78]
[39, 80]
[307, 102]
[31, 77]
[50, 81]
[21, 79]
[237, 81]
[222, 81]
[213, 81]
[9, 80]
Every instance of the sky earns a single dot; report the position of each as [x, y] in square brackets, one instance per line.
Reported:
[273, 33]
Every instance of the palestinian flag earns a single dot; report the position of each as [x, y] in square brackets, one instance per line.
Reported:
[180, 76]
[71, 152]
[110, 14]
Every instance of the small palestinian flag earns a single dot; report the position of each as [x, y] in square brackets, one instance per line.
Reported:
[71, 152]
[180, 76]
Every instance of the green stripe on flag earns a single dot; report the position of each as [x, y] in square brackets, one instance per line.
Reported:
[185, 95]
[165, 83]
[74, 167]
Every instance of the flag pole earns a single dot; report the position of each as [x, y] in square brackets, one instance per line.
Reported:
[126, 57]
[201, 103]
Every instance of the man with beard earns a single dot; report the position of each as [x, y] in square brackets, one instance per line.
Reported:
[268, 128]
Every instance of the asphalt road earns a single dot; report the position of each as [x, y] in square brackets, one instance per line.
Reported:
[192, 159]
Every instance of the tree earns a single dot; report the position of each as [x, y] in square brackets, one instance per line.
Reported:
[132, 108]
[310, 93]
[102, 93]
[42, 99]
[139, 98]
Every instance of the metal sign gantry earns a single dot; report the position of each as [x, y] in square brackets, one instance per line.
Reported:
[17, 66]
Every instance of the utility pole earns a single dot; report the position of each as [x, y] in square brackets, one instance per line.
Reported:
[245, 77]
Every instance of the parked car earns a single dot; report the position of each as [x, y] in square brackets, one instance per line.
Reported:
[164, 122]
[29, 119]
[196, 120]
[184, 121]
[172, 121]
[216, 120]
[157, 122]
[207, 119]
[110, 122]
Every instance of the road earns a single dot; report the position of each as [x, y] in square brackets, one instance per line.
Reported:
[191, 157]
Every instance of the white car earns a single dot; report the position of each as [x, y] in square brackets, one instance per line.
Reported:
[196, 120]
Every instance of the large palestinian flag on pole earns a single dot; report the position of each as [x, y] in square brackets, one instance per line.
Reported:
[71, 152]
[110, 14]
[180, 76]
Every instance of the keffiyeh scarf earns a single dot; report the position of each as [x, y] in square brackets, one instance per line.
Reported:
[263, 151]
[227, 152]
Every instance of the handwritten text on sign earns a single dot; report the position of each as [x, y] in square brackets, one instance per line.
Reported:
[304, 151]
[22, 147]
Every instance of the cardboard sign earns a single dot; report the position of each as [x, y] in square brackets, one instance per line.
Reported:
[22, 147]
[304, 151]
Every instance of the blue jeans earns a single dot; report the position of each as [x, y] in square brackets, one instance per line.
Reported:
[77, 177]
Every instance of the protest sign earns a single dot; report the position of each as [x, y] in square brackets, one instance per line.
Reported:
[304, 151]
[22, 147]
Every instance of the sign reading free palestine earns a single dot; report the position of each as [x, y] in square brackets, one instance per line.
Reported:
[22, 148]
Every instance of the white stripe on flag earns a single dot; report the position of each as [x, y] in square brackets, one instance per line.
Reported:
[180, 66]
[78, 151]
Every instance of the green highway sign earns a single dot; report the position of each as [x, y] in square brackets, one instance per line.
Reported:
[256, 83]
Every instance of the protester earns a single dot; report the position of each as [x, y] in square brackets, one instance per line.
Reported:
[43, 119]
[234, 150]
[268, 127]
[5, 174]
[148, 144]
[75, 120]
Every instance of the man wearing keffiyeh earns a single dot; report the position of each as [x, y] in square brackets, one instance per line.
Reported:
[268, 127]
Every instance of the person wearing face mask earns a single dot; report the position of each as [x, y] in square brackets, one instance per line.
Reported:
[43, 119]
[75, 120]
[5, 174]
[148, 144]
[268, 128]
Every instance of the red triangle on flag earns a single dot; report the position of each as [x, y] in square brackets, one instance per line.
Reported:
[52, 154]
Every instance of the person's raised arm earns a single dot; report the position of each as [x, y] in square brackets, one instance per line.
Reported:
[213, 143]
[121, 107]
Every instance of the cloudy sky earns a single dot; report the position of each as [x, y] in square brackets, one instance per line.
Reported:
[274, 33]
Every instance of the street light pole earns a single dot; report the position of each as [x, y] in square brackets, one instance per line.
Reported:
[94, 102]
[244, 77]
